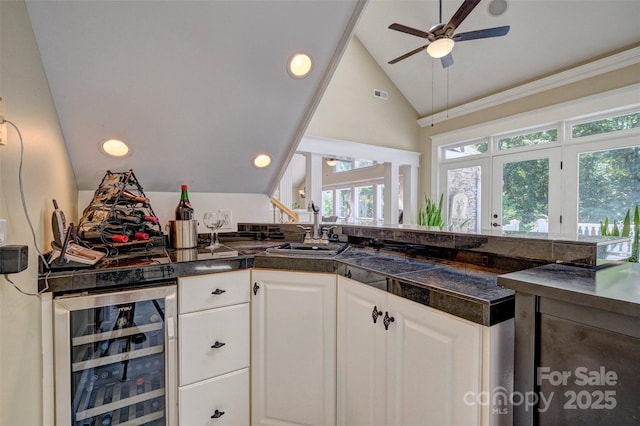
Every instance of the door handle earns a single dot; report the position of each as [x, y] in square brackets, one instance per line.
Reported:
[256, 287]
[217, 414]
[375, 314]
[217, 291]
[387, 320]
[495, 224]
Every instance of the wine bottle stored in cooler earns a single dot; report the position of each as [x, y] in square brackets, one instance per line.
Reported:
[184, 211]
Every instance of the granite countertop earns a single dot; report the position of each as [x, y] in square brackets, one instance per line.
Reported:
[457, 289]
[466, 292]
[615, 288]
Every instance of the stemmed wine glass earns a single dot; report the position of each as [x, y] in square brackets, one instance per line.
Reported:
[213, 221]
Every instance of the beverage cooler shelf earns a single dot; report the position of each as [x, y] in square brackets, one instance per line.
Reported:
[121, 403]
[118, 357]
[116, 334]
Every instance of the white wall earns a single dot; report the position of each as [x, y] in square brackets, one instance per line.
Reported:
[348, 110]
[46, 174]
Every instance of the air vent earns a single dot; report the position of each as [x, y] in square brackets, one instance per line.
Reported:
[380, 94]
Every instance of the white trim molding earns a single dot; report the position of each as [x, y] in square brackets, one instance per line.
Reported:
[592, 69]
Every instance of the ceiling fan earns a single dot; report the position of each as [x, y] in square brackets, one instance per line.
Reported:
[442, 38]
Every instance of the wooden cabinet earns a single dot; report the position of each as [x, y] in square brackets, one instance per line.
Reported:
[401, 363]
[214, 348]
[293, 330]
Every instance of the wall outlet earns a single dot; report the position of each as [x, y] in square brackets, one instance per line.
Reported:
[3, 125]
[3, 232]
[228, 223]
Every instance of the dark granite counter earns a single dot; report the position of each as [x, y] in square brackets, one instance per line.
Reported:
[614, 289]
[457, 289]
[462, 291]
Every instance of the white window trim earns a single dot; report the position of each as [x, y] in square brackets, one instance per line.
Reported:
[615, 102]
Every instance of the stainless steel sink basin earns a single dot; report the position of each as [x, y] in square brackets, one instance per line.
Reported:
[308, 249]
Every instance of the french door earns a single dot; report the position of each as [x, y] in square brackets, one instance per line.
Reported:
[527, 191]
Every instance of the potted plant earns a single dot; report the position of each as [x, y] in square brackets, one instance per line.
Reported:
[431, 214]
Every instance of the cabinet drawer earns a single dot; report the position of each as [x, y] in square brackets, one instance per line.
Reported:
[200, 356]
[228, 394]
[200, 292]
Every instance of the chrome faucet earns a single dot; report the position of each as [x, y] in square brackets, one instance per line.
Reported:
[316, 229]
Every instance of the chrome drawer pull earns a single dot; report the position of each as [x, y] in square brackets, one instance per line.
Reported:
[217, 345]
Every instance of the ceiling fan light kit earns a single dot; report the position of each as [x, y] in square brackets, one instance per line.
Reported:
[442, 38]
[441, 47]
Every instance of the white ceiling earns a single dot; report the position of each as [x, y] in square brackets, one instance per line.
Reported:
[198, 87]
[546, 36]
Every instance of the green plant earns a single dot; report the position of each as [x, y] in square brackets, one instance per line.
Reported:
[431, 215]
[626, 231]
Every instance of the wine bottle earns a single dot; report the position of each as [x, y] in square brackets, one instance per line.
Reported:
[184, 211]
[135, 198]
[103, 237]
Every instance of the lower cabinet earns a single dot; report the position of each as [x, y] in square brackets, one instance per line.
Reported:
[401, 363]
[213, 349]
[293, 347]
[222, 400]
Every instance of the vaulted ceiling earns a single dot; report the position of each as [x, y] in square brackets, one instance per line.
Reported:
[199, 87]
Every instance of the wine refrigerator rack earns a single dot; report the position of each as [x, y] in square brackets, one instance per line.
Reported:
[118, 364]
[119, 207]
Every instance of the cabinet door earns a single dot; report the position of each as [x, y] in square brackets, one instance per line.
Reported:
[293, 329]
[223, 400]
[433, 360]
[361, 379]
[213, 342]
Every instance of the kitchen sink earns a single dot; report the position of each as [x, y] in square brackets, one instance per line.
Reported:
[308, 249]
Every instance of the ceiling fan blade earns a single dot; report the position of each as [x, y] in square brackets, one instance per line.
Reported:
[486, 33]
[412, 31]
[406, 55]
[446, 60]
[463, 11]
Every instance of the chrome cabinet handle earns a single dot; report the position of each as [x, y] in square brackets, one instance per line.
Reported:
[217, 414]
[387, 320]
[375, 314]
[217, 345]
[218, 291]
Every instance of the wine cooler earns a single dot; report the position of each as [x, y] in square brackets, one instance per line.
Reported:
[115, 358]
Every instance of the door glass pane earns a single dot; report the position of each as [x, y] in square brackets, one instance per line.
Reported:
[365, 202]
[344, 203]
[463, 195]
[608, 185]
[525, 196]
[380, 206]
[327, 203]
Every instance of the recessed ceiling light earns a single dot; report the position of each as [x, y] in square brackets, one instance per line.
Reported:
[262, 160]
[114, 148]
[300, 65]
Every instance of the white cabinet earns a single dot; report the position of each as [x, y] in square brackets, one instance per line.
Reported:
[293, 330]
[415, 372]
[214, 349]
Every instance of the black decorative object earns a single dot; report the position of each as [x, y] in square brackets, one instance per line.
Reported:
[120, 216]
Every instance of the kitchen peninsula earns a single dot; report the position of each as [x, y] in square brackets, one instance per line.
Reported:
[421, 284]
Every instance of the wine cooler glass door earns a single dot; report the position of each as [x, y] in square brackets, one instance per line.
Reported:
[115, 358]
